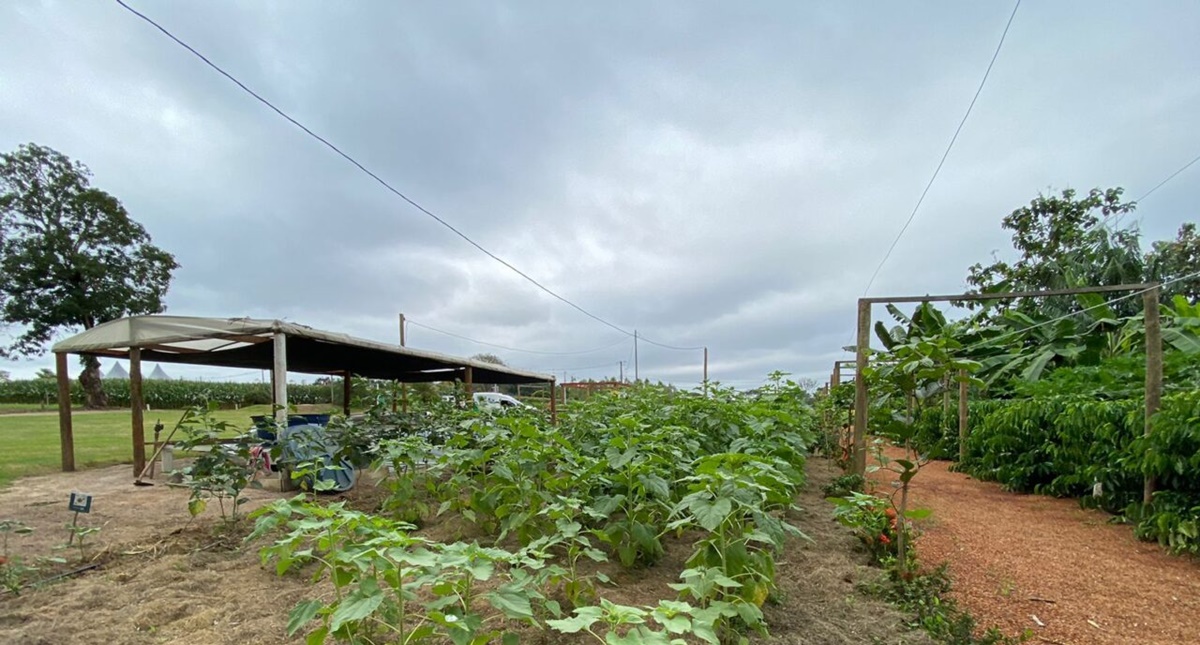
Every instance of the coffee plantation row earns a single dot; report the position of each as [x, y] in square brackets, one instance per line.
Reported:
[166, 394]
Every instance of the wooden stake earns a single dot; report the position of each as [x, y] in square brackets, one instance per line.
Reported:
[705, 371]
[860, 386]
[66, 436]
[347, 392]
[137, 407]
[553, 405]
[962, 416]
[1154, 372]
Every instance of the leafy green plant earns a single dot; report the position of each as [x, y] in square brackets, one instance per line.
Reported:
[14, 572]
[224, 465]
[391, 584]
[627, 625]
[77, 537]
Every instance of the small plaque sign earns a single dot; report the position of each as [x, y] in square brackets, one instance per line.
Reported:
[80, 502]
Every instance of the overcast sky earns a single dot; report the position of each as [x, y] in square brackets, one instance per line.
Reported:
[719, 174]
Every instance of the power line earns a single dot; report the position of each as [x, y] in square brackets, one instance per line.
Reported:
[1169, 178]
[511, 349]
[364, 169]
[946, 154]
[642, 337]
[1106, 303]
[585, 368]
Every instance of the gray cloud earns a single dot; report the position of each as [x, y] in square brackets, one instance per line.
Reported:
[708, 173]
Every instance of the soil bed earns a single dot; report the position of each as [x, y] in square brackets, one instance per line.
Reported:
[167, 580]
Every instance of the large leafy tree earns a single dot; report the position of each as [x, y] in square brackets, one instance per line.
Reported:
[1066, 241]
[70, 256]
[1177, 259]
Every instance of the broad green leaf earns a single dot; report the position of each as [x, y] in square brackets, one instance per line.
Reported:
[511, 603]
[301, 614]
[355, 607]
[711, 513]
[584, 618]
[196, 506]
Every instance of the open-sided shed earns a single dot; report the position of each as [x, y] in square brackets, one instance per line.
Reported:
[247, 343]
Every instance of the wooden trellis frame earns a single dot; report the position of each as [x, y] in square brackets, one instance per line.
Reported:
[1154, 359]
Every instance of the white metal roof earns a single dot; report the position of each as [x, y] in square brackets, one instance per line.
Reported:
[239, 342]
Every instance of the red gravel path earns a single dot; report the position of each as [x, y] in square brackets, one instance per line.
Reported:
[1010, 553]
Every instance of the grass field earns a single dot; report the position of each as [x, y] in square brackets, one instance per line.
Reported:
[31, 444]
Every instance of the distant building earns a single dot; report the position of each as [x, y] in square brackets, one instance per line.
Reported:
[117, 373]
[158, 374]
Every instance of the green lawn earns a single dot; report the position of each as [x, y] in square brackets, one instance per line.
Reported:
[31, 447]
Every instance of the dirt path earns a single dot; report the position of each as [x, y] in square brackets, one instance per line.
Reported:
[1006, 551]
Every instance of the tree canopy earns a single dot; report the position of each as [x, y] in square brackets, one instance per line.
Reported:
[70, 255]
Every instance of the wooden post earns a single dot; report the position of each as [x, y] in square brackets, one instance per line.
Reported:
[836, 379]
[469, 384]
[66, 436]
[1154, 372]
[403, 386]
[347, 387]
[137, 407]
[705, 371]
[860, 386]
[553, 405]
[962, 416]
[279, 378]
[636, 373]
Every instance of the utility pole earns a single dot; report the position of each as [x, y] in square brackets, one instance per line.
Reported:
[636, 375]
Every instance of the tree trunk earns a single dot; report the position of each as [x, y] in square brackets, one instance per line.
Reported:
[89, 380]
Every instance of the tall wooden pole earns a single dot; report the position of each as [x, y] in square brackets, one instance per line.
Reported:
[860, 386]
[962, 416]
[705, 371]
[1154, 372]
[347, 391]
[553, 405]
[469, 384]
[137, 407]
[636, 373]
[836, 379]
[66, 436]
[403, 386]
[279, 378]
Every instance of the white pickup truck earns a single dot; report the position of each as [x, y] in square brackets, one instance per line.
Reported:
[497, 401]
[491, 401]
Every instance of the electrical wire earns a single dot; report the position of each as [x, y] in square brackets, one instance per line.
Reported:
[666, 346]
[1106, 303]
[511, 349]
[608, 365]
[1169, 178]
[1117, 216]
[364, 169]
[946, 154]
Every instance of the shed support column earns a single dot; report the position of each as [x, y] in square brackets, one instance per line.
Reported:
[66, 437]
[860, 386]
[553, 405]
[137, 407]
[1154, 372]
[279, 379]
[468, 385]
[962, 416]
[346, 392]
